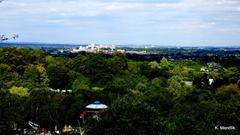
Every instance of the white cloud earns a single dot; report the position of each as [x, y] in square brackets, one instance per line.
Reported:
[101, 7]
[115, 16]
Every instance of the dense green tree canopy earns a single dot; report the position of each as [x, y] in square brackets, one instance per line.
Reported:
[163, 96]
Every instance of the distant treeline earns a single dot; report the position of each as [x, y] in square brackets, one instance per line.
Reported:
[226, 57]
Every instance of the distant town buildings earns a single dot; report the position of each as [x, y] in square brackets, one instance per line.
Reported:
[95, 48]
[136, 52]
[103, 48]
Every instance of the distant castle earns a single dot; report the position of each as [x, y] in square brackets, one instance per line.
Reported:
[95, 48]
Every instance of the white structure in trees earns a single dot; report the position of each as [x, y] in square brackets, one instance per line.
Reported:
[211, 81]
[96, 105]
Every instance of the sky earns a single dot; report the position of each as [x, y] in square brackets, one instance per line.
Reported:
[158, 22]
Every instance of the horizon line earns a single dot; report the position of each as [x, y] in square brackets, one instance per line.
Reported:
[131, 45]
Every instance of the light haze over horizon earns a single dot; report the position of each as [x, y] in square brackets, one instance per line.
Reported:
[159, 22]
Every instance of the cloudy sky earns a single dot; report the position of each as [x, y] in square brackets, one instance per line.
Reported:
[161, 22]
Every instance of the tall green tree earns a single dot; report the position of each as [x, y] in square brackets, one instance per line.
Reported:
[164, 63]
[57, 75]
[177, 86]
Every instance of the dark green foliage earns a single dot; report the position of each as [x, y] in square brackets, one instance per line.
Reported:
[17, 58]
[238, 83]
[12, 112]
[58, 76]
[149, 71]
[130, 114]
[201, 82]
[157, 97]
[7, 77]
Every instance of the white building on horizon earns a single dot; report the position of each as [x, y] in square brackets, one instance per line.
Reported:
[95, 48]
